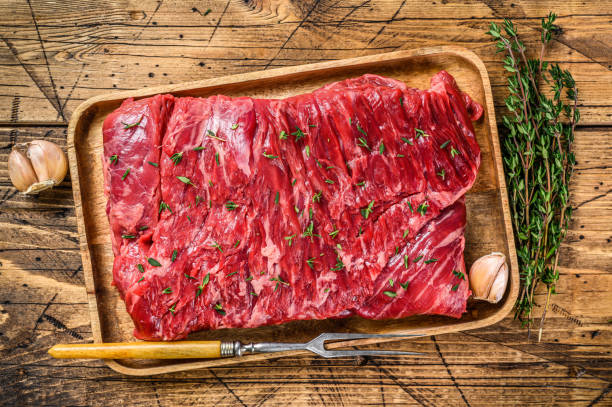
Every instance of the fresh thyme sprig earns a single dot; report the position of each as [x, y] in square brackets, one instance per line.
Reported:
[538, 159]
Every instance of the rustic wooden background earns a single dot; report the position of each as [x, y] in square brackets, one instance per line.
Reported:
[56, 54]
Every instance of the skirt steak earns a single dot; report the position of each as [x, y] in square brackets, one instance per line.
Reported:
[241, 212]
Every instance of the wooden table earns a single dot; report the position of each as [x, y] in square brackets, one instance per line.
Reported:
[54, 56]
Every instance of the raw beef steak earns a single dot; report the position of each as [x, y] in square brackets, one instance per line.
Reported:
[241, 212]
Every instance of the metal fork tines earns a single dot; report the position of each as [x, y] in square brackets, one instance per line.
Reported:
[317, 345]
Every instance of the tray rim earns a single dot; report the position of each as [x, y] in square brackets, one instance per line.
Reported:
[256, 76]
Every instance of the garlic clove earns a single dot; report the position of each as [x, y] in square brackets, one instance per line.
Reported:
[48, 160]
[36, 166]
[489, 277]
[20, 170]
[498, 288]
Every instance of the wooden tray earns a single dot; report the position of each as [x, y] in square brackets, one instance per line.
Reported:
[488, 228]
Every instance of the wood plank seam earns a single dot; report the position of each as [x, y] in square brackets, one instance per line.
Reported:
[44, 52]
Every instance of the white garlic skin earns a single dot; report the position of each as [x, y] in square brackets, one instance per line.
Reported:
[48, 160]
[20, 171]
[36, 166]
[489, 277]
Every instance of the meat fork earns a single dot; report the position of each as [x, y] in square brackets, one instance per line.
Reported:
[216, 349]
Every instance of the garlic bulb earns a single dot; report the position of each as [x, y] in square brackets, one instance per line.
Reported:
[36, 166]
[488, 277]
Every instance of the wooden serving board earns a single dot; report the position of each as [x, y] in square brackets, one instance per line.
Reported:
[488, 218]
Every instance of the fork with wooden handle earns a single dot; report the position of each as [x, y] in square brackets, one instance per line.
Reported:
[215, 349]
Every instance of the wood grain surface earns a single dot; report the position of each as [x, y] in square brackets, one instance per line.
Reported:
[54, 55]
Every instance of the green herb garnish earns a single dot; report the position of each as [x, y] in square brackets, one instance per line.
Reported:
[459, 274]
[174, 253]
[271, 156]
[128, 236]
[219, 309]
[140, 268]
[339, 265]
[422, 209]
[167, 291]
[298, 133]
[381, 148]
[280, 280]
[163, 206]
[176, 158]
[363, 143]
[153, 164]
[405, 140]
[114, 159]
[125, 174]
[212, 134]
[308, 232]
[334, 233]
[365, 212]
[129, 126]
[217, 246]
[230, 206]
[234, 126]
[199, 148]
[417, 259]
[185, 180]
[391, 294]
[205, 281]
[430, 261]
[362, 131]
[443, 145]
[283, 135]
[231, 274]
[153, 262]
[420, 133]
